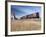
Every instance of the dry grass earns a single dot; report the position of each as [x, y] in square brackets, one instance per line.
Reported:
[25, 25]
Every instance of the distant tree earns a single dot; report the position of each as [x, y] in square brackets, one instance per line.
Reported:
[21, 18]
[15, 18]
[27, 17]
[37, 14]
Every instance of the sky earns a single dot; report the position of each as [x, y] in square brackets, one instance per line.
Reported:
[20, 11]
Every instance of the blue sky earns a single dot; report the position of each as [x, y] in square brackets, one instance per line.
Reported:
[24, 10]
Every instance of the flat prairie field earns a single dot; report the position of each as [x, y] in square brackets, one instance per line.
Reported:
[25, 25]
